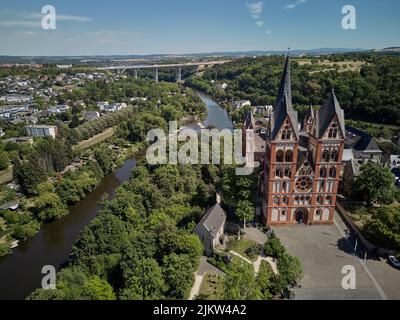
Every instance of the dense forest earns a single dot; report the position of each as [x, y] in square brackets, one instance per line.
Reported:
[367, 85]
[38, 168]
[141, 245]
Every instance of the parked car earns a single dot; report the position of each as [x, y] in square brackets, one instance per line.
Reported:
[394, 262]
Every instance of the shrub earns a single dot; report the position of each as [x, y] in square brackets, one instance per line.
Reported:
[4, 249]
[274, 248]
[253, 251]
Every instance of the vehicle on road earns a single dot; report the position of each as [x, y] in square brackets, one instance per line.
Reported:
[394, 262]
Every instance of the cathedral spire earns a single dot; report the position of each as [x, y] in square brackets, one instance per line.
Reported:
[285, 85]
[283, 106]
[329, 110]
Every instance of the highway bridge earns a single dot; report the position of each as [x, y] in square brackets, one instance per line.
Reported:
[156, 67]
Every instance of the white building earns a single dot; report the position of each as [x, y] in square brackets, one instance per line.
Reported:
[240, 104]
[91, 115]
[264, 111]
[113, 107]
[41, 131]
[64, 66]
[59, 109]
[15, 98]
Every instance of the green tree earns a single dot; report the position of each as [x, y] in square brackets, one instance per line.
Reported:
[274, 248]
[290, 268]
[384, 227]
[239, 283]
[145, 282]
[104, 158]
[245, 211]
[98, 289]
[178, 274]
[264, 281]
[49, 206]
[375, 184]
[4, 160]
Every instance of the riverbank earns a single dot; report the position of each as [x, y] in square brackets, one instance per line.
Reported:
[52, 245]
[85, 174]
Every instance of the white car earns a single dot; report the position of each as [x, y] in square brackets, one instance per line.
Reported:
[394, 262]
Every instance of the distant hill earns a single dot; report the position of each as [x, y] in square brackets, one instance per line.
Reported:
[101, 58]
[390, 49]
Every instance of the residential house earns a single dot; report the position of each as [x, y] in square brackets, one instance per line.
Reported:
[264, 111]
[236, 105]
[41, 131]
[113, 107]
[91, 115]
[58, 109]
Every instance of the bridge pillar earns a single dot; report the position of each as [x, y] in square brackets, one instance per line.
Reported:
[179, 74]
[135, 73]
[156, 75]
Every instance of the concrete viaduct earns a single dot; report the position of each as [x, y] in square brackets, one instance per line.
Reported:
[177, 66]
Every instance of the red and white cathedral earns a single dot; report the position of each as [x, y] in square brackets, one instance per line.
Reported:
[301, 163]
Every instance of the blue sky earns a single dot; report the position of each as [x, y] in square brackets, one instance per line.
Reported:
[188, 26]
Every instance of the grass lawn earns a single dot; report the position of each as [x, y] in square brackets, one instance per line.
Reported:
[212, 286]
[241, 246]
[108, 133]
[6, 175]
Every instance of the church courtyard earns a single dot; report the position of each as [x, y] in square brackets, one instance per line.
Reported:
[324, 252]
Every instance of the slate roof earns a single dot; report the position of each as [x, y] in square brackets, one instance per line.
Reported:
[360, 140]
[283, 105]
[213, 219]
[327, 112]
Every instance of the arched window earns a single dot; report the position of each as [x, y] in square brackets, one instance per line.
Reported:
[288, 172]
[319, 199]
[330, 134]
[289, 156]
[322, 172]
[318, 212]
[334, 156]
[279, 173]
[285, 200]
[328, 200]
[279, 156]
[325, 155]
[276, 201]
[283, 135]
[332, 172]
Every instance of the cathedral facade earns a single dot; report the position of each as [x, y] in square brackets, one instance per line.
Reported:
[301, 162]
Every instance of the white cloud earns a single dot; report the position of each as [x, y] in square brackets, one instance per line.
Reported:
[60, 17]
[255, 9]
[295, 4]
[33, 20]
[21, 24]
[268, 31]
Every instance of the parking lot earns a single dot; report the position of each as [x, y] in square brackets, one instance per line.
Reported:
[324, 252]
